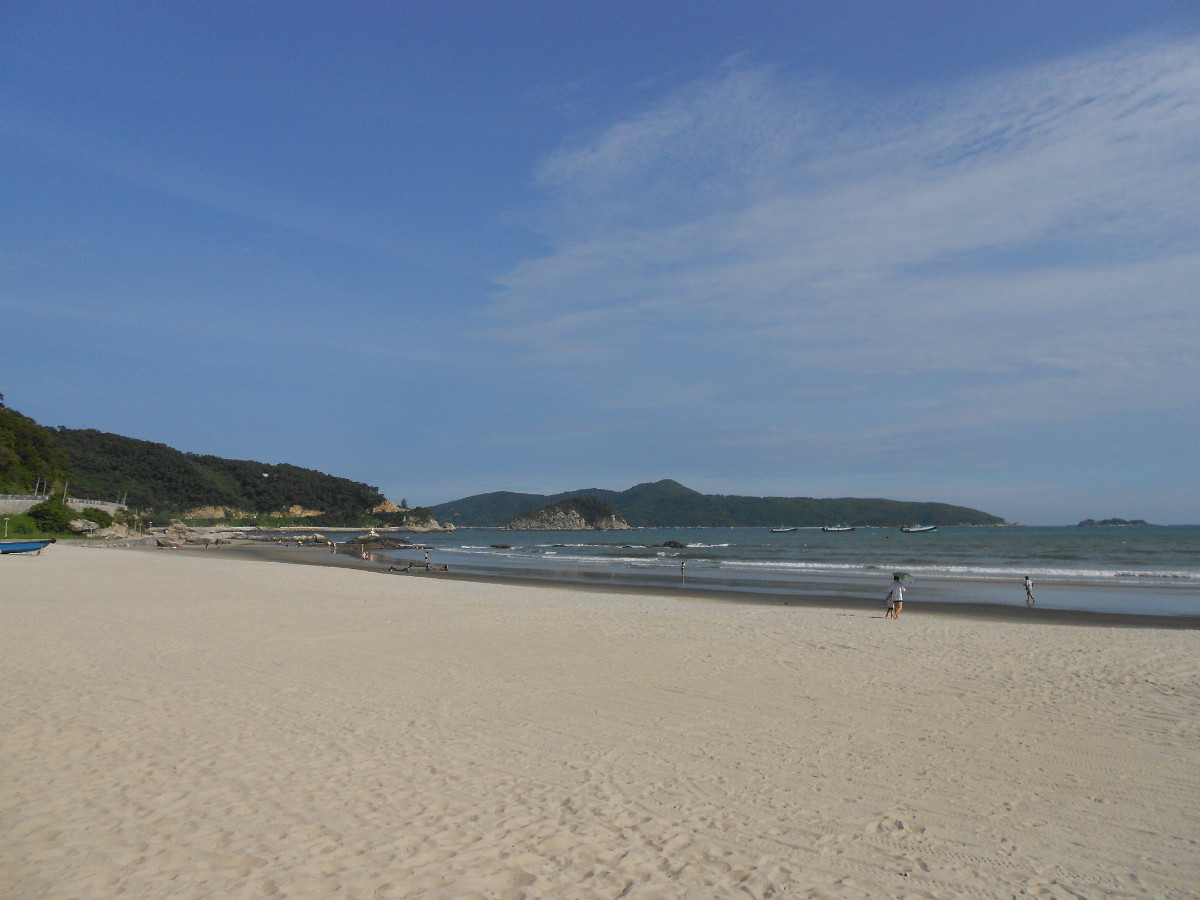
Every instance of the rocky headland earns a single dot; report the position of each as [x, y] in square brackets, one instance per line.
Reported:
[577, 514]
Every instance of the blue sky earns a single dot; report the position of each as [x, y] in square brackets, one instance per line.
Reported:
[939, 251]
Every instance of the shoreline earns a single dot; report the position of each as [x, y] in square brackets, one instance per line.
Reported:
[310, 556]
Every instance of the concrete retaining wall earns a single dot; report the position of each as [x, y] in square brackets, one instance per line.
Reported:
[14, 504]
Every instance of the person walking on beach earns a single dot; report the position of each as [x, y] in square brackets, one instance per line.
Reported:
[1029, 601]
[895, 599]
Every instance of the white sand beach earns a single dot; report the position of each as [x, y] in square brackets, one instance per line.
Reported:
[194, 724]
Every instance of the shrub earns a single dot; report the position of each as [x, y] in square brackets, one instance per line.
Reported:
[53, 517]
[99, 516]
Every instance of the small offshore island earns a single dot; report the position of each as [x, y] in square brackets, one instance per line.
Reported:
[1091, 523]
[575, 514]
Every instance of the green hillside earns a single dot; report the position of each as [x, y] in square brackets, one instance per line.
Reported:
[160, 479]
[157, 480]
[29, 454]
[667, 504]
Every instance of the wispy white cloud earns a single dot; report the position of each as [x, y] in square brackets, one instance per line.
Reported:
[1029, 236]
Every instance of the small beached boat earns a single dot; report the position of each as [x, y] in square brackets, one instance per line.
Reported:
[837, 528]
[24, 546]
[918, 529]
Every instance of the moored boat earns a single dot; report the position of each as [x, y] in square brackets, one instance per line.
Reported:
[837, 527]
[27, 546]
[782, 529]
[918, 529]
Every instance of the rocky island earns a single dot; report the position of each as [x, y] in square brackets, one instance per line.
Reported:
[575, 514]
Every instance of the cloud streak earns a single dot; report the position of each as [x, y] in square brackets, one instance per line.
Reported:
[1028, 237]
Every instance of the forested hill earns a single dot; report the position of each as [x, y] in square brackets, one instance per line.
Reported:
[30, 455]
[666, 504]
[161, 479]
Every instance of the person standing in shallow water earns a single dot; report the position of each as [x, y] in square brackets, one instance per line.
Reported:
[895, 599]
[1029, 601]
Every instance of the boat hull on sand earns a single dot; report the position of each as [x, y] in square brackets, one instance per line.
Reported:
[24, 546]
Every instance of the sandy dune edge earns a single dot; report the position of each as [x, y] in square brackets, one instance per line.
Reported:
[183, 727]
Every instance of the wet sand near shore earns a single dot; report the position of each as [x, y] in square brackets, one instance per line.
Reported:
[311, 556]
[214, 723]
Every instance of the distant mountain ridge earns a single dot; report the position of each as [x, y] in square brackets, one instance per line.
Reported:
[158, 480]
[667, 504]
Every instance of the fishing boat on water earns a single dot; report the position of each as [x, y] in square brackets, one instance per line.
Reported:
[837, 528]
[782, 529]
[27, 546]
[918, 529]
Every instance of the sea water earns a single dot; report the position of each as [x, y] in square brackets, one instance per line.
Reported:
[1150, 570]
